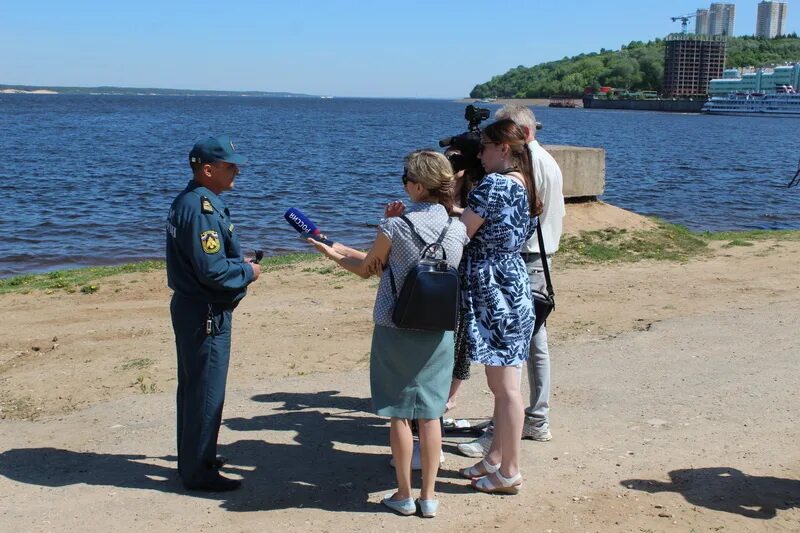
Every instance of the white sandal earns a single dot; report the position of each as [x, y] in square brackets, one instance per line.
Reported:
[508, 485]
[474, 472]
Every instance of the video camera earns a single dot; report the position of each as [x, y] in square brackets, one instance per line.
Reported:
[468, 141]
[475, 115]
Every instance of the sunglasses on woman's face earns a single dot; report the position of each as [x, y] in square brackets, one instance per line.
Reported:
[405, 177]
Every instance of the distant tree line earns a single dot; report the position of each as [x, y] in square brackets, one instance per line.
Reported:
[638, 66]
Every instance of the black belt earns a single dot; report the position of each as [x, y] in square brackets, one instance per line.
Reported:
[224, 306]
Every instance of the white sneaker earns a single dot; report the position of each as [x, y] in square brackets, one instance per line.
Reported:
[479, 447]
[416, 458]
[541, 433]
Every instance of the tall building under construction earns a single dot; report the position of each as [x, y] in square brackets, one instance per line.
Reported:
[690, 62]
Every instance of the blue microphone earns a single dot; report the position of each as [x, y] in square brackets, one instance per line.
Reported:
[299, 221]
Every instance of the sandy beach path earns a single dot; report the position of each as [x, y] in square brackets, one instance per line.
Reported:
[680, 427]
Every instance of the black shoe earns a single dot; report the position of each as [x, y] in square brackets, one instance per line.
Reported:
[218, 462]
[217, 483]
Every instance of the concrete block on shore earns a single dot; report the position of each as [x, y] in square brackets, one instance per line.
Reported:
[584, 170]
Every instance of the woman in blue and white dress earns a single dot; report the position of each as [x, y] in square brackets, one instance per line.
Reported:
[496, 298]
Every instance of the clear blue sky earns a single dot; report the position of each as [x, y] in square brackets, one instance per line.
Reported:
[407, 48]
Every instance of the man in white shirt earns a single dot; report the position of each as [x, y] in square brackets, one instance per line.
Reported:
[549, 186]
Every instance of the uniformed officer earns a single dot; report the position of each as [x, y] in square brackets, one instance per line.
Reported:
[209, 276]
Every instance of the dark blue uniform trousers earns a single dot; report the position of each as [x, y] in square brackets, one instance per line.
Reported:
[202, 372]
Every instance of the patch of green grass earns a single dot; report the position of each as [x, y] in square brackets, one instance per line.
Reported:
[752, 235]
[276, 261]
[22, 408]
[144, 388]
[70, 279]
[666, 242]
[737, 242]
[83, 279]
[600, 252]
[136, 363]
[328, 269]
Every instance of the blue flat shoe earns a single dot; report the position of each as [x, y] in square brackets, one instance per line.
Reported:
[404, 507]
[428, 508]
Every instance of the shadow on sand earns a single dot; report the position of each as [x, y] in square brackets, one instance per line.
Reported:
[727, 489]
[313, 471]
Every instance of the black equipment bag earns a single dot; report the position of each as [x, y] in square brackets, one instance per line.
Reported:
[429, 298]
[543, 303]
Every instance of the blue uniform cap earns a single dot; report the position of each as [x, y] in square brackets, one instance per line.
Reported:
[219, 148]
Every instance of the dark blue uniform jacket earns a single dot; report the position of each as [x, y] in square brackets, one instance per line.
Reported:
[204, 260]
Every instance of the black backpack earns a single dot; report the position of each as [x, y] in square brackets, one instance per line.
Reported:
[429, 298]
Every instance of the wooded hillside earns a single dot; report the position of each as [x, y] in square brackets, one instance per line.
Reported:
[637, 67]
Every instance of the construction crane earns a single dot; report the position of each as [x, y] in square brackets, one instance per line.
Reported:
[684, 20]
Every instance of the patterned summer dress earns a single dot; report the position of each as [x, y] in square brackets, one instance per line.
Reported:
[495, 291]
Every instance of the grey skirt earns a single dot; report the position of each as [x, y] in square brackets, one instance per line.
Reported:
[410, 372]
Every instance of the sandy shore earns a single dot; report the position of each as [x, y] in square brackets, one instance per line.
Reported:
[674, 405]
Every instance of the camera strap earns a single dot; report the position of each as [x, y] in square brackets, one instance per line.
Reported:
[543, 256]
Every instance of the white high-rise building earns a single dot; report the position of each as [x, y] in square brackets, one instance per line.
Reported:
[771, 19]
[720, 19]
[701, 22]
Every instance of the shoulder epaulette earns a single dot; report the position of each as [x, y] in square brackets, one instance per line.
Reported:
[205, 205]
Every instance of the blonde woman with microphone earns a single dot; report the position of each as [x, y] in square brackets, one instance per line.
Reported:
[410, 370]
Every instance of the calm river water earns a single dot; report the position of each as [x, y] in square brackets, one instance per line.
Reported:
[89, 179]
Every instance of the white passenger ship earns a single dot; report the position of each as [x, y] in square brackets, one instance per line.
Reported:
[786, 101]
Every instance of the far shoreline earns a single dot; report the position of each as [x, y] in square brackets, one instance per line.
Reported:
[535, 102]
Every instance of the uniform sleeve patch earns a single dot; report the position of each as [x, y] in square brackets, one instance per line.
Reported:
[210, 242]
